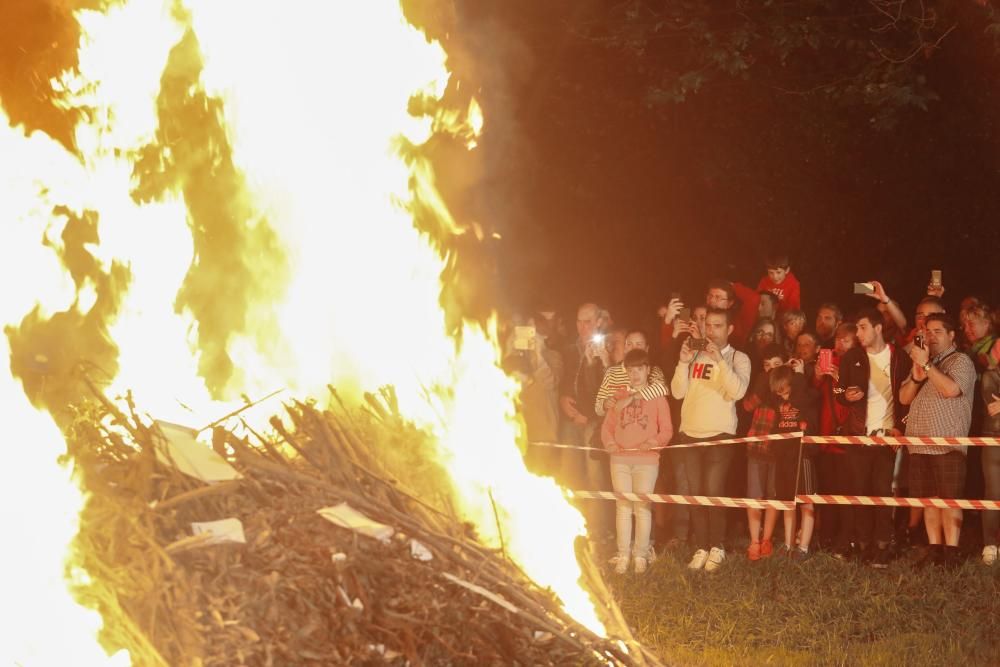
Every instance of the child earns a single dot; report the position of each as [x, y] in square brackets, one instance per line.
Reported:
[632, 428]
[782, 283]
[772, 467]
[760, 460]
[793, 322]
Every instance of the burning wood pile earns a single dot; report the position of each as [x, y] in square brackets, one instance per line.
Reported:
[273, 581]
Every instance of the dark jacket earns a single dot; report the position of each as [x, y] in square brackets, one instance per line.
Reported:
[580, 380]
[855, 372]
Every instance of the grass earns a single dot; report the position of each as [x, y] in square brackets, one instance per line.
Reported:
[820, 612]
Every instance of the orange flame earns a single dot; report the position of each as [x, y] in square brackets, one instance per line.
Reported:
[347, 291]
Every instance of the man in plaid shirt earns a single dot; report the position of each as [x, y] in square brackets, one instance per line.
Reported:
[940, 391]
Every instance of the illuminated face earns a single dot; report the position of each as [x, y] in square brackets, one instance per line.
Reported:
[843, 344]
[699, 314]
[766, 307]
[616, 347]
[717, 298]
[806, 348]
[763, 335]
[586, 322]
[974, 327]
[793, 327]
[716, 329]
[826, 322]
[784, 390]
[635, 341]
[772, 363]
[923, 310]
[868, 335]
[938, 338]
[638, 375]
[777, 276]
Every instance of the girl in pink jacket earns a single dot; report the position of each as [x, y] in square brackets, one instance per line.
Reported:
[633, 429]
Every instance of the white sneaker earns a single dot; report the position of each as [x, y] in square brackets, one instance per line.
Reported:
[621, 564]
[698, 560]
[990, 554]
[715, 558]
[639, 564]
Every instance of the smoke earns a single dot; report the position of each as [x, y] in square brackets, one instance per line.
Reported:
[488, 187]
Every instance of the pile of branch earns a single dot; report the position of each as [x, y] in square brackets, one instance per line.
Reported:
[302, 591]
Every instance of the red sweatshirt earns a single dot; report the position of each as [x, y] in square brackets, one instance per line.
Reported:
[638, 422]
[788, 291]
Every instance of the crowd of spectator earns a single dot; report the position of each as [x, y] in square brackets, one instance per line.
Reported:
[745, 362]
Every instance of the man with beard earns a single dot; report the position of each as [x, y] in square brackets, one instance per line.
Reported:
[828, 317]
[940, 391]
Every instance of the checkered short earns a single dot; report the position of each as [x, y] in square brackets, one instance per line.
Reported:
[937, 475]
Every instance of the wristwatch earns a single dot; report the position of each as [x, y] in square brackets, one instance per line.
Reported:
[926, 366]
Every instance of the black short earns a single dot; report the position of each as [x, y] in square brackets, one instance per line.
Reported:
[937, 475]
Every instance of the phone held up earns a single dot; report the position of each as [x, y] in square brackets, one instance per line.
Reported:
[918, 340]
[825, 361]
[698, 344]
[684, 314]
[864, 288]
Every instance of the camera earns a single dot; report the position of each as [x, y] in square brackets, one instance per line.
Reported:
[597, 339]
[918, 340]
[697, 343]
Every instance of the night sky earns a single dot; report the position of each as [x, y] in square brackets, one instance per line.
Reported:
[599, 195]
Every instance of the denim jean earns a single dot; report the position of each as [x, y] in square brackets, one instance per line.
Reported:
[633, 478]
[706, 469]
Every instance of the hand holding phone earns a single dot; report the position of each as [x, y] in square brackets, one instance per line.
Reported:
[825, 361]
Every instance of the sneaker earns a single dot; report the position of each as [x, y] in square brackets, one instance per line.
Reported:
[753, 551]
[621, 564]
[766, 548]
[698, 560]
[651, 554]
[715, 558]
[639, 564]
[880, 560]
[785, 551]
[990, 554]
[799, 556]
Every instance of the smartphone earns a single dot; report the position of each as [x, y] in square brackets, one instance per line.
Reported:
[697, 343]
[825, 361]
[597, 339]
[864, 288]
[674, 295]
[684, 314]
[936, 277]
[918, 340]
[524, 338]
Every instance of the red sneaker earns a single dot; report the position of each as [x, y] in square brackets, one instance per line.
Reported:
[753, 551]
[766, 548]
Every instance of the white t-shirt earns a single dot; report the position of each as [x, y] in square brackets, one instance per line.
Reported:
[879, 391]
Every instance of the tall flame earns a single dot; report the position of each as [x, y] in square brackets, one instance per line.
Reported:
[334, 282]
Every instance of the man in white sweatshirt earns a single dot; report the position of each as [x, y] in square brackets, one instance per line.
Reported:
[710, 382]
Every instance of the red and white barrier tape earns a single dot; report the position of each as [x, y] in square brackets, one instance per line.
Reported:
[888, 501]
[819, 499]
[913, 441]
[708, 443]
[710, 501]
[918, 441]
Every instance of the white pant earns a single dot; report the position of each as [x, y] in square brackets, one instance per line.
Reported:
[633, 478]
